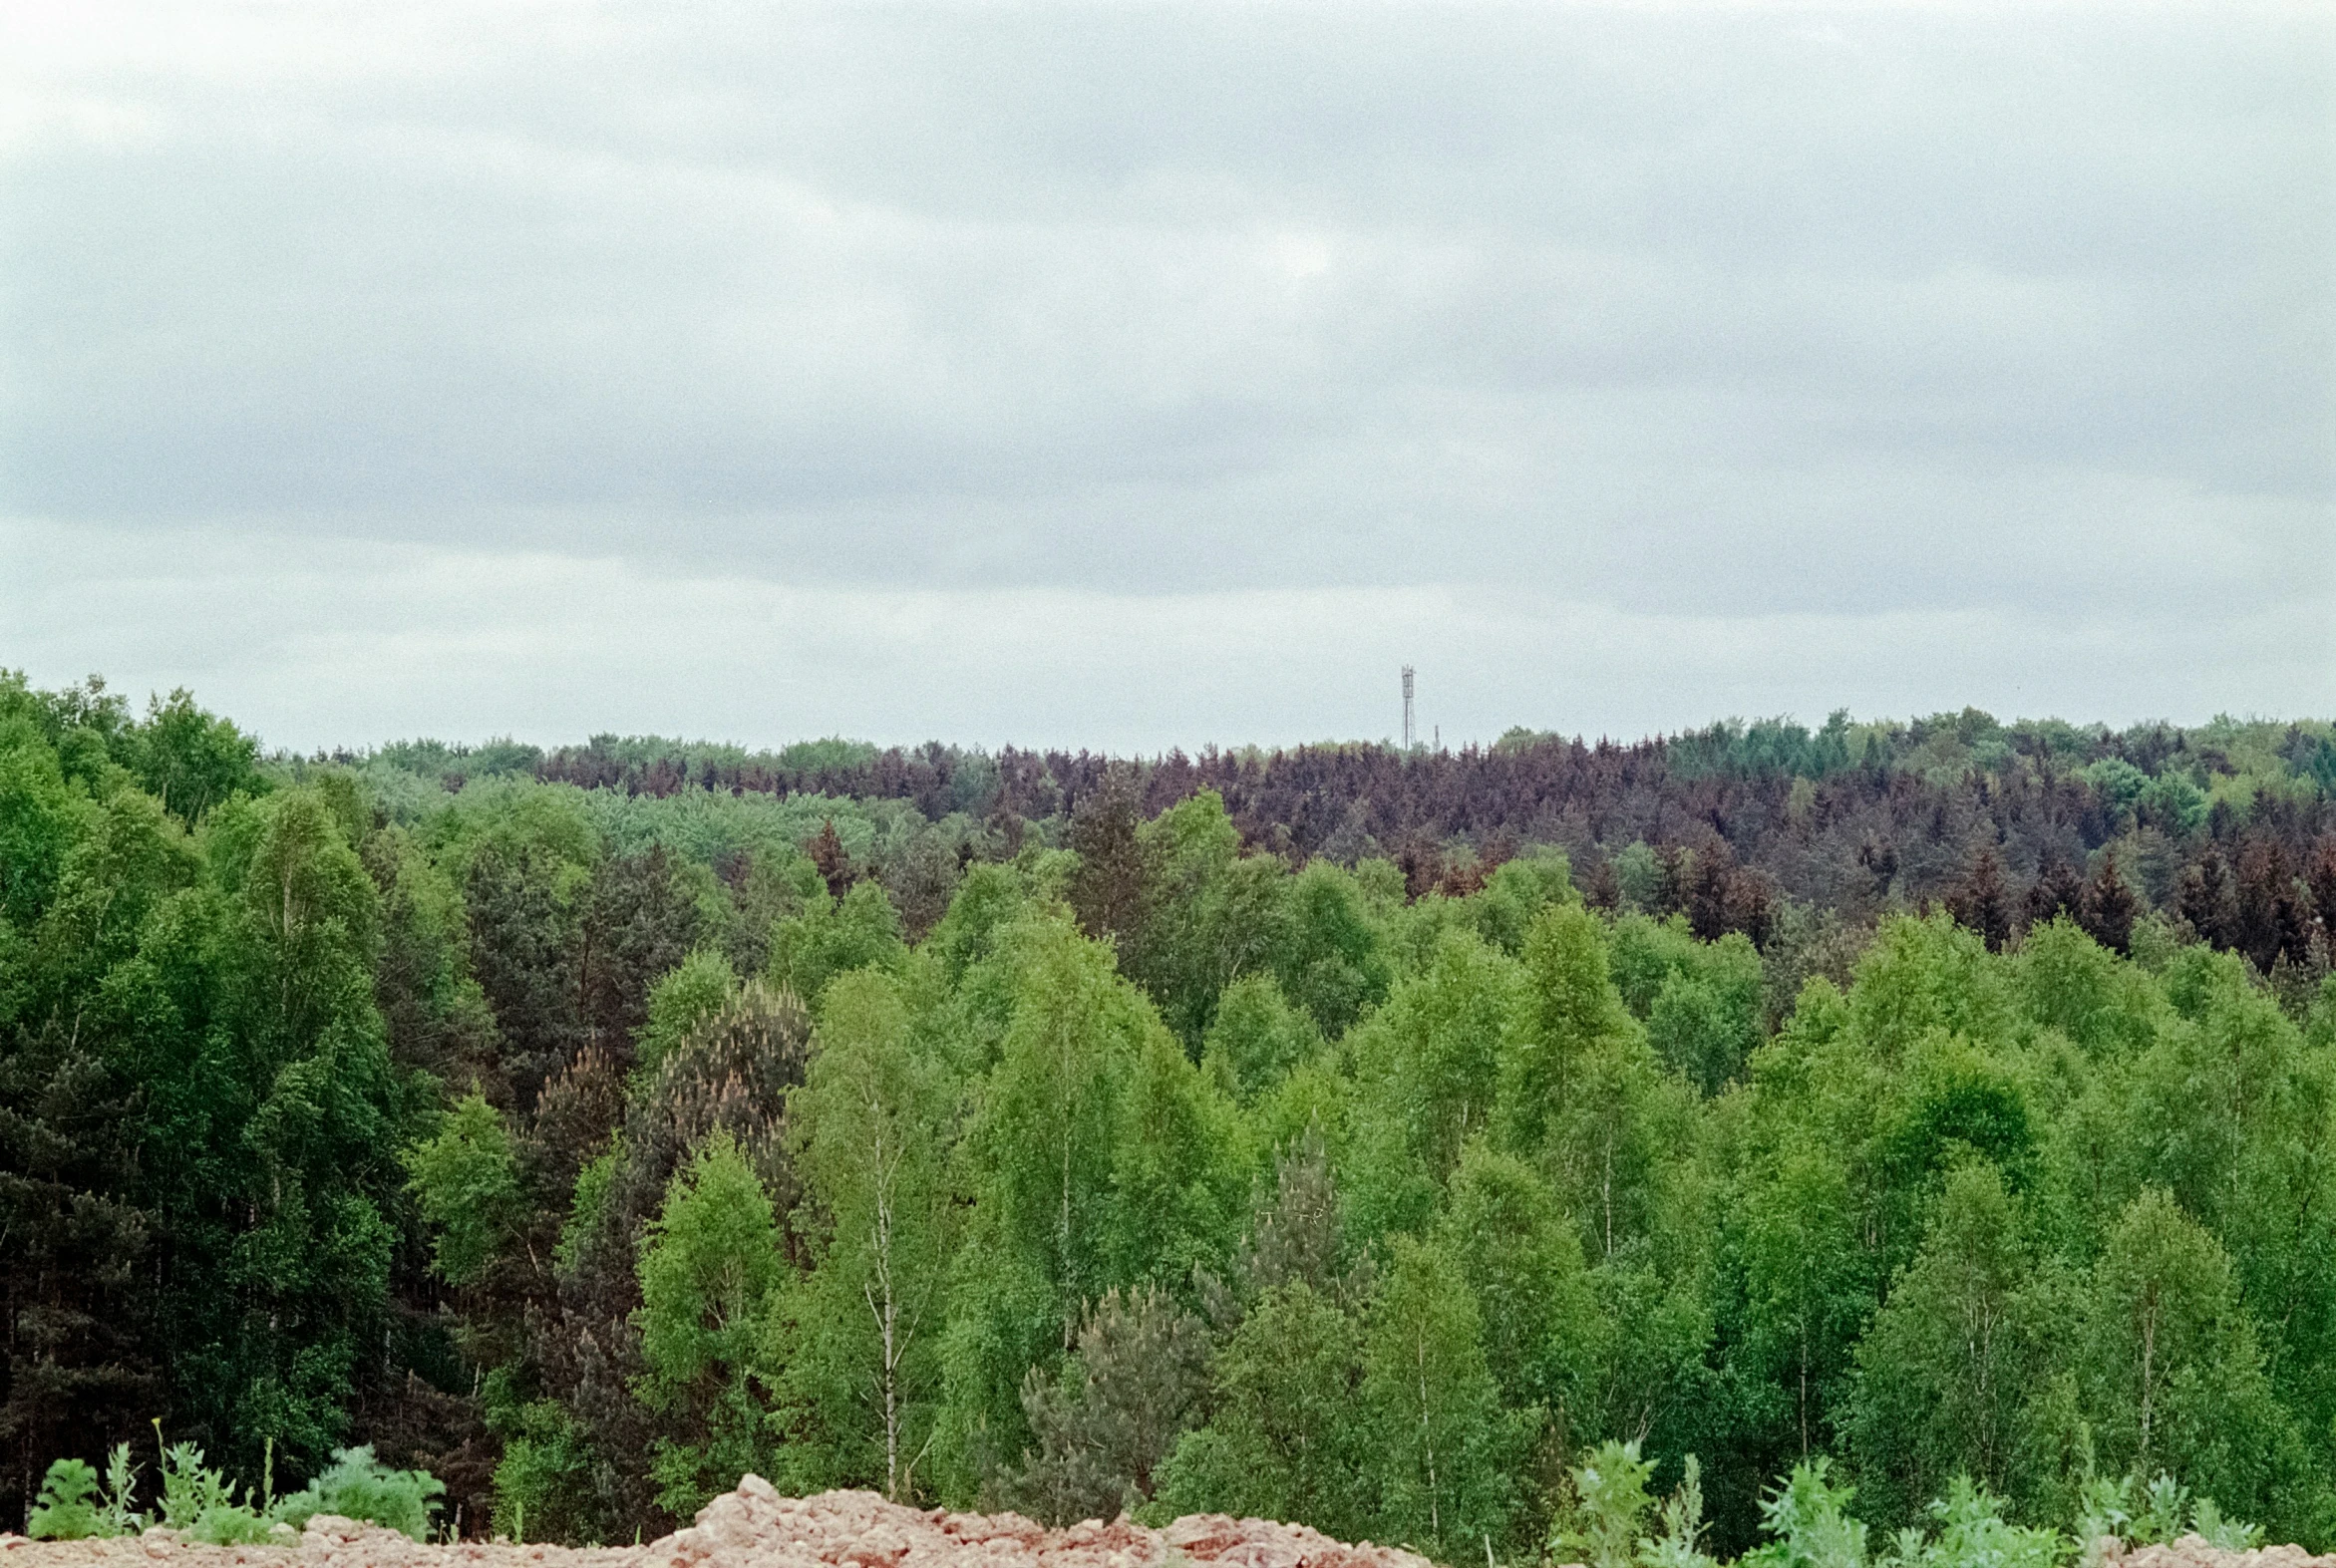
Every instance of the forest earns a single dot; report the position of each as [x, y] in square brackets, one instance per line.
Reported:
[1372, 1137]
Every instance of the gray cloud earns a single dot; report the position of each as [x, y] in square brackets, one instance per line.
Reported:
[2021, 315]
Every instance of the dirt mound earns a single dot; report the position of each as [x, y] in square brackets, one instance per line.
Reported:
[2192, 1551]
[754, 1527]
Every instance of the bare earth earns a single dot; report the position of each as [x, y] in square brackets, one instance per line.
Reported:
[754, 1527]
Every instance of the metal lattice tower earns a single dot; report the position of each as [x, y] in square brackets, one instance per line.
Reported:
[1407, 706]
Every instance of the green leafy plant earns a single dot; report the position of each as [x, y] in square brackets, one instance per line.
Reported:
[1809, 1517]
[358, 1486]
[1973, 1534]
[70, 1507]
[2231, 1536]
[2156, 1513]
[1613, 1501]
[203, 1504]
[1679, 1546]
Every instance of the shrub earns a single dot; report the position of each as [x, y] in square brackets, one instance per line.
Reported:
[357, 1487]
[1973, 1534]
[201, 1504]
[70, 1508]
[1809, 1517]
[1613, 1500]
[2156, 1513]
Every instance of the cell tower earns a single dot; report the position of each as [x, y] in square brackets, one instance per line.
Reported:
[1407, 706]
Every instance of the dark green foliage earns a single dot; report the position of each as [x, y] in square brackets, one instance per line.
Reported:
[1105, 1422]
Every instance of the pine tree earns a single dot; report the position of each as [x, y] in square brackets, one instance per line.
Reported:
[1110, 891]
[1114, 1411]
[2109, 907]
[1982, 901]
[2206, 898]
[2057, 893]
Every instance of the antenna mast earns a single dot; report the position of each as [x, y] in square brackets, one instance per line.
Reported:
[1407, 706]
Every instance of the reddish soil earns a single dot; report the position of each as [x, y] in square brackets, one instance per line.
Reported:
[2192, 1552]
[754, 1527]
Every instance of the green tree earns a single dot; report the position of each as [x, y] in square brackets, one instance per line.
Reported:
[709, 1265]
[858, 1336]
[1956, 1353]
[1257, 1036]
[464, 1179]
[1284, 1442]
[1442, 1444]
[1333, 960]
[1521, 1259]
[1106, 1422]
[189, 759]
[1809, 1287]
[830, 937]
[2170, 1368]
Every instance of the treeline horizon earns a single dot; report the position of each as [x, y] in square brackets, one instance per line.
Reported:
[1733, 823]
[1343, 1134]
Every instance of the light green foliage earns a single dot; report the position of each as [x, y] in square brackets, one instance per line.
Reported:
[73, 1508]
[1972, 1532]
[189, 759]
[1300, 1198]
[1333, 960]
[1284, 1442]
[1213, 912]
[2064, 980]
[1544, 1334]
[1571, 1014]
[709, 1265]
[1257, 1036]
[464, 1179]
[1810, 1283]
[688, 994]
[1681, 1543]
[1639, 873]
[2168, 1364]
[1443, 1445]
[1581, 1094]
[201, 1504]
[358, 1486]
[1181, 1169]
[1046, 1143]
[588, 1209]
[857, 1340]
[1809, 1517]
[1946, 1371]
[1428, 1065]
[831, 936]
[1516, 893]
[1611, 1504]
[2142, 1514]
[1701, 1002]
[1927, 975]
[544, 1484]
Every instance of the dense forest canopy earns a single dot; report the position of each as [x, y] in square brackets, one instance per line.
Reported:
[1342, 1133]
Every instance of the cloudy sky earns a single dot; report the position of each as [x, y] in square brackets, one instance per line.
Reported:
[1134, 375]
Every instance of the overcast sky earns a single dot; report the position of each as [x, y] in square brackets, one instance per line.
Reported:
[1139, 375]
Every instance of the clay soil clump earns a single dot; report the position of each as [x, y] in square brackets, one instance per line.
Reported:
[754, 1527]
